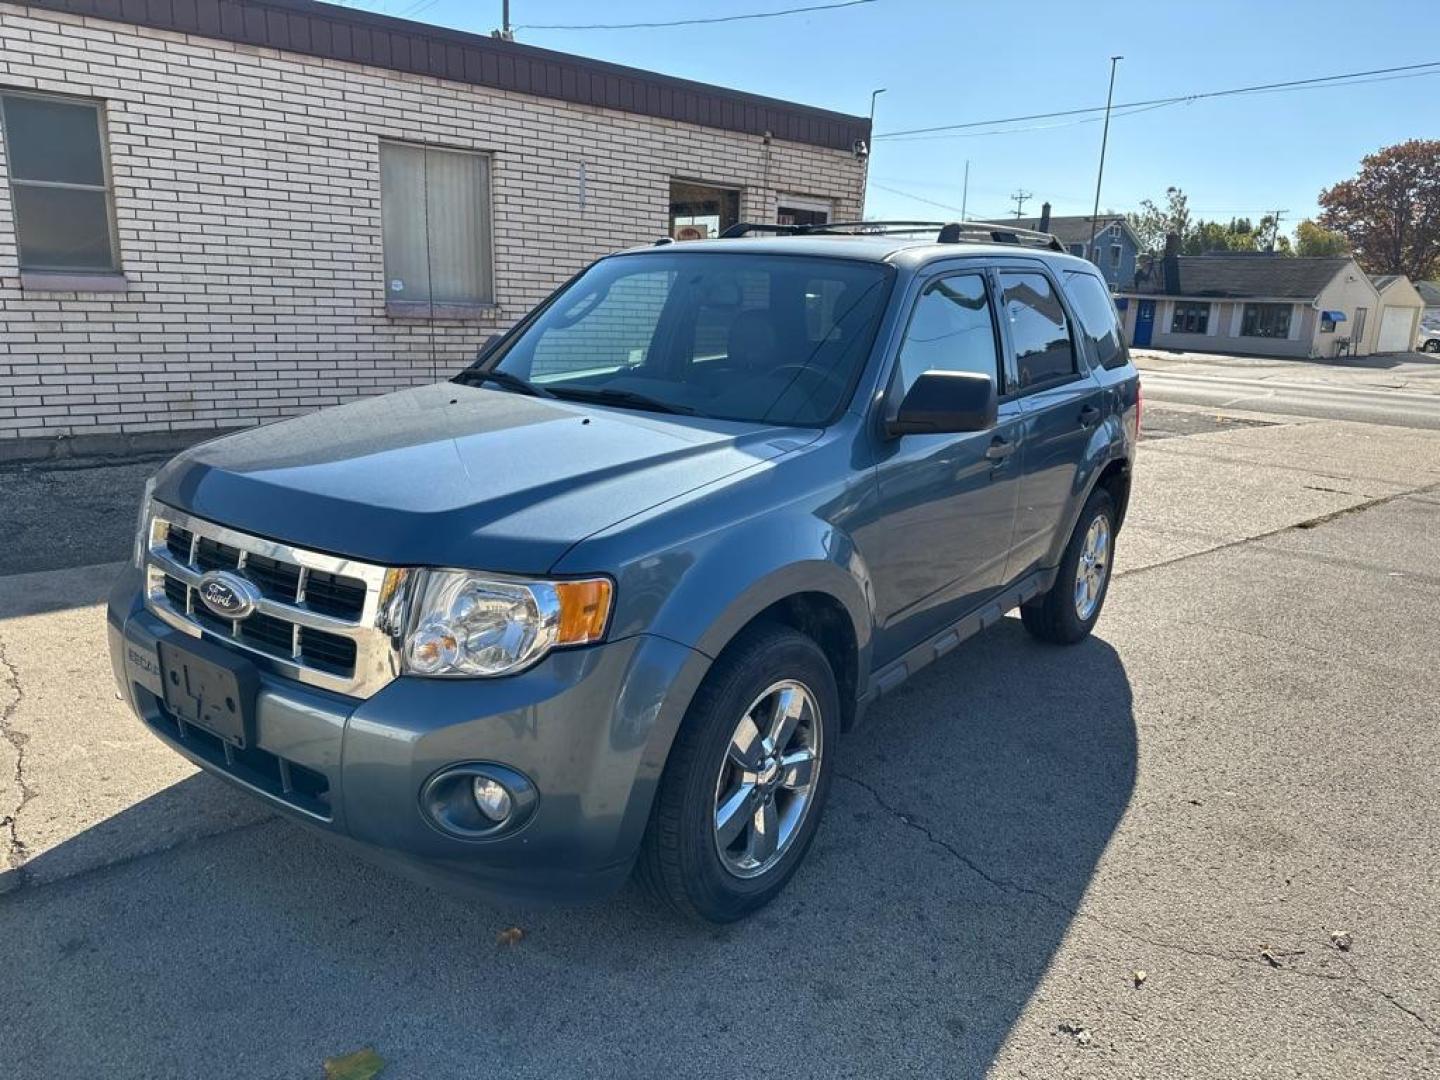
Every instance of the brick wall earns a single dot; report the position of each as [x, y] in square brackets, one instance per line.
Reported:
[247, 197]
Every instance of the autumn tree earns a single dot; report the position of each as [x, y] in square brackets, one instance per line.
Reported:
[1312, 239]
[1152, 222]
[1390, 210]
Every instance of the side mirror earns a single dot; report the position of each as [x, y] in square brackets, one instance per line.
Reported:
[946, 401]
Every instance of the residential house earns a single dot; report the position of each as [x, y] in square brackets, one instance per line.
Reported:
[1263, 304]
[215, 213]
[1115, 248]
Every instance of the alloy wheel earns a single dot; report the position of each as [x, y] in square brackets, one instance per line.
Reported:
[767, 781]
[1092, 568]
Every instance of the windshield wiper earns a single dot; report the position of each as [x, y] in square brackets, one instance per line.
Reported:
[476, 377]
[623, 398]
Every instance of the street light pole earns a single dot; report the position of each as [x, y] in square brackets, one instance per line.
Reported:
[965, 194]
[1100, 174]
[869, 149]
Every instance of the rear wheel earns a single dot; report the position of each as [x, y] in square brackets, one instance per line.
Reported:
[1067, 613]
[742, 793]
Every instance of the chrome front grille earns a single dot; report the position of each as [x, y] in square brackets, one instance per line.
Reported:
[319, 619]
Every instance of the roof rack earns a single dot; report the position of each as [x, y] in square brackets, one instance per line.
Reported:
[947, 232]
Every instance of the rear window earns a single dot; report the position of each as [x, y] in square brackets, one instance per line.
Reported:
[1098, 318]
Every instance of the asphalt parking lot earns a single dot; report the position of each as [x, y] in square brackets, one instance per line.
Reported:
[1240, 764]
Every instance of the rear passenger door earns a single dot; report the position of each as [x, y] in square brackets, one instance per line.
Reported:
[1061, 403]
[939, 545]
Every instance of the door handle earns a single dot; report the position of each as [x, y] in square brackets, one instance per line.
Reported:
[1089, 416]
[999, 449]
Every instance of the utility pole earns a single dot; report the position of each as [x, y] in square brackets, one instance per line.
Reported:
[504, 33]
[1100, 173]
[1020, 198]
[1275, 216]
[965, 193]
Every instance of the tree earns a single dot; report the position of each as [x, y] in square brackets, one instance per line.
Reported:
[1390, 210]
[1152, 223]
[1312, 239]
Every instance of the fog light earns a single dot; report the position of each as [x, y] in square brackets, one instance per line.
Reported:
[478, 800]
[492, 798]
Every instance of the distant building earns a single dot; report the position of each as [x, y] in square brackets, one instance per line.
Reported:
[214, 214]
[1270, 305]
[1430, 293]
[1114, 251]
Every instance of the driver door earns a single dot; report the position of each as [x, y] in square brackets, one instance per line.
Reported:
[945, 522]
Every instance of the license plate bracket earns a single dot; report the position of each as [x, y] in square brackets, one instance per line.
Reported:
[211, 688]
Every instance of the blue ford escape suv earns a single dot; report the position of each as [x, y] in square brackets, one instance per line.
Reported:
[605, 602]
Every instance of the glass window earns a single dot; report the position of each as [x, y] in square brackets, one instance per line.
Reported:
[1043, 352]
[1115, 255]
[1077, 249]
[798, 210]
[1327, 325]
[1096, 311]
[435, 224]
[776, 338]
[701, 212]
[951, 329]
[59, 184]
[1190, 318]
[1265, 321]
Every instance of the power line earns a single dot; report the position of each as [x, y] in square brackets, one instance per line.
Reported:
[694, 22]
[1156, 102]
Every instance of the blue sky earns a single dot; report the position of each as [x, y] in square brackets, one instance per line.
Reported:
[955, 61]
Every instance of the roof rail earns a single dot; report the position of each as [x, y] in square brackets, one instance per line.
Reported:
[947, 232]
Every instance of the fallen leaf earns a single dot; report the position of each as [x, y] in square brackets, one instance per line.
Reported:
[1140, 975]
[361, 1065]
[511, 936]
[1079, 1033]
[1341, 939]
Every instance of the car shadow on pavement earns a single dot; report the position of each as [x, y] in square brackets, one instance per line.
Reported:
[968, 818]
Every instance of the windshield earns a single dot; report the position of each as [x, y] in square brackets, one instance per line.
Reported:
[764, 338]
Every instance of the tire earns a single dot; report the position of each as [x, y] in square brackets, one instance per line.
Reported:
[682, 861]
[1433, 345]
[1056, 616]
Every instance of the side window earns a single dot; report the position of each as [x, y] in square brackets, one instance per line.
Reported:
[1043, 352]
[951, 329]
[1096, 312]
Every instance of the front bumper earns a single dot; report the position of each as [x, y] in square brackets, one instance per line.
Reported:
[590, 727]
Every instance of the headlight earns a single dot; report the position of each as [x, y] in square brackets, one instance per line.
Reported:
[461, 623]
[141, 525]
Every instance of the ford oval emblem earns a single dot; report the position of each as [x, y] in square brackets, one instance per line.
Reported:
[227, 595]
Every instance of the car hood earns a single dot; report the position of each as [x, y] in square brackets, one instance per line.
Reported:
[450, 475]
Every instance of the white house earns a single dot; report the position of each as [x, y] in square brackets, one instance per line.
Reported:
[1268, 305]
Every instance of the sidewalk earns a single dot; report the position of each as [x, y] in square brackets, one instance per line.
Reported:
[1398, 371]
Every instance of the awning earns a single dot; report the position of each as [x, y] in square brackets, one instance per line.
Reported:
[1333, 316]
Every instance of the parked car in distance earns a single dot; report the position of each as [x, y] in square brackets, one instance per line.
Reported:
[1429, 339]
[605, 602]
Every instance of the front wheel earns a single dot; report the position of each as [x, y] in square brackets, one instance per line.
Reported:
[1067, 613]
[742, 793]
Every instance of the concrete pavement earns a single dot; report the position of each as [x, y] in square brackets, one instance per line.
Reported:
[1401, 390]
[1240, 762]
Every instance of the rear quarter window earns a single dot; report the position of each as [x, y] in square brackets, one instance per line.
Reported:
[1098, 317]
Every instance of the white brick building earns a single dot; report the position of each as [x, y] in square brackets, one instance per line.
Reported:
[191, 223]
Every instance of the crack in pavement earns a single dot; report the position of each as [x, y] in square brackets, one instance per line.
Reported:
[1010, 886]
[1308, 523]
[16, 852]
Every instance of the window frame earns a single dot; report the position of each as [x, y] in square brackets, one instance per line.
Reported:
[102, 134]
[894, 390]
[431, 309]
[1289, 319]
[727, 187]
[1204, 324]
[1080, 355]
